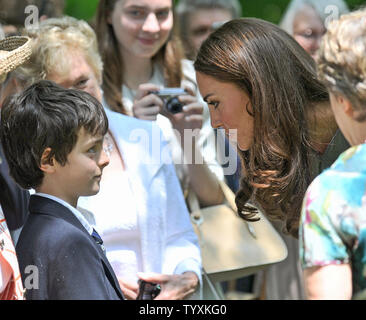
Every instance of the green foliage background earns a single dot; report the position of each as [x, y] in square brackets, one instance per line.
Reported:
[81, 9]
[270, 10]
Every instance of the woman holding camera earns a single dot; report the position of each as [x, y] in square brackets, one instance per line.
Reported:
[140, 211]
[141, 54]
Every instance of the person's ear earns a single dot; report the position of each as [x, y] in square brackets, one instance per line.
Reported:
[347, 106]
[47, 164]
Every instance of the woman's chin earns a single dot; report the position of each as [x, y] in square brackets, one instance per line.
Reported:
[242, 148]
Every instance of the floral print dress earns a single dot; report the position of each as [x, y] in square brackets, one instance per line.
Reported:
[333, 220]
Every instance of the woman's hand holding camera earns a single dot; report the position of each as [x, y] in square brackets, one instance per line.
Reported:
[173, 287]
[192, 115]
[146, 104]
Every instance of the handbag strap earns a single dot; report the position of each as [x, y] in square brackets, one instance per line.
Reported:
[211, 285]
[228, 194]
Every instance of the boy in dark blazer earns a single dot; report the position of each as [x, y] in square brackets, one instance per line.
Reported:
[53, 141]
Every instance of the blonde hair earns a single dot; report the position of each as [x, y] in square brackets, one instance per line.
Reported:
[52, 43]
[342, 59]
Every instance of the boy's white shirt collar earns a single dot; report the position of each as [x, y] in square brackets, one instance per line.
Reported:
[76, 212]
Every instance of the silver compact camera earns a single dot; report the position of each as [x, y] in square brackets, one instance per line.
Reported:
[170, 99]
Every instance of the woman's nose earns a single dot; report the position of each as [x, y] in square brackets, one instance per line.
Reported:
[215, 120]
[151, 23]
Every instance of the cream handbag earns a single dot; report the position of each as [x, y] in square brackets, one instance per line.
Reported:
[231, 247]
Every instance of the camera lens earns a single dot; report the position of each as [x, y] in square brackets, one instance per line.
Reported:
[173, 105]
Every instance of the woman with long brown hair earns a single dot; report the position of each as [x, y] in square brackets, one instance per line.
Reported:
[141, 53]
[257, 80]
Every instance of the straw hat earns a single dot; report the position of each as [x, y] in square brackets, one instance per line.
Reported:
[13, 52]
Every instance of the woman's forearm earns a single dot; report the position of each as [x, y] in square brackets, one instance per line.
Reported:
[204, 182]
[331, 282]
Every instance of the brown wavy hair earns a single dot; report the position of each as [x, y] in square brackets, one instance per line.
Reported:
[170, 55]
[280, 79]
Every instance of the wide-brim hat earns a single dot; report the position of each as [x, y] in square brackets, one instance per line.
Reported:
[13, 52]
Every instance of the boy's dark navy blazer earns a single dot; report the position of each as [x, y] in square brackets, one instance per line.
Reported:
[71, 264]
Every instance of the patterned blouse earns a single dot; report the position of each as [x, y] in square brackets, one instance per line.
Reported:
[333, 220]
